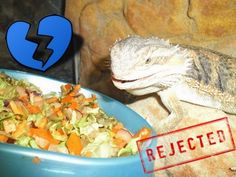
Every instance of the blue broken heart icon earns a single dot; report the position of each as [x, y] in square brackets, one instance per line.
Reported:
[58, 28]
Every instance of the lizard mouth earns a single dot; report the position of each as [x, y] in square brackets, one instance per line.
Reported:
[122, 81]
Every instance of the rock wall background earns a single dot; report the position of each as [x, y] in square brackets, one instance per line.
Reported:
[207, 23]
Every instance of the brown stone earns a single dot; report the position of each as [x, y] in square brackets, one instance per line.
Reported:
[158, 17]
[73, 10]
[214, 19]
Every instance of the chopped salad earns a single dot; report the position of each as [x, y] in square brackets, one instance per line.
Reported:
[67, 122]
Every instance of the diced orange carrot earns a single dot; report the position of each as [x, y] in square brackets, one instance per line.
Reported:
[51, 100]
[143, 133]
[33, 109]
[74, 105]
[67, 99]
[88, 154]
[95, 105]
[117, 127]
[75, 90]
[20, 129]
[55, 110]
[94, 96]
[120, 143]
[42, 133]
[61, 131]
[3, 138]
[24, 99]
[74, 144]
[59, 113]
[68, 86]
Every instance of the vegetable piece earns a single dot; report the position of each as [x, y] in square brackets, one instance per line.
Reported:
[143, 133]
[91, 99]
[56, 109]
[3, 138]
[16, 108]
[120, 143]
[9, 126]
[88, 154]
[42, 137]
[33, 144]
[74, 144]
[22, 107]
[125, 152]
[68, 86]
[131, 147]
[67, 99]
[21, 91]
[95, 105]
[75, 90]
[51, 100]
[59, 135]
[33, 109]
[58, 148]
[41, 123]
[74, 105]
[38, 101]
[124, 135]
[23, 141]
[20, 129]
[7, 135]
[41, 142]
[102, 146]
[117, 127]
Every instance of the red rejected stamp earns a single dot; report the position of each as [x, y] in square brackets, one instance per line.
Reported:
[186, 145]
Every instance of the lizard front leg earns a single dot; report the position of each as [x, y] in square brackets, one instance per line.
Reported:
[172, 103]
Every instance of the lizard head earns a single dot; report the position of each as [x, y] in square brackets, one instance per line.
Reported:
[145, 65]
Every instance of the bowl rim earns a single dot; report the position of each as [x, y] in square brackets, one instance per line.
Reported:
[56, 156]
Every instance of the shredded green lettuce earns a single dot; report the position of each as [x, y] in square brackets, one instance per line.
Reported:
[23, 141]
[33, 144]
[34, 117]
[130, 149]
[101, 146]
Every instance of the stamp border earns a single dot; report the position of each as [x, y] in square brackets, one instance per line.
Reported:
[192, 160]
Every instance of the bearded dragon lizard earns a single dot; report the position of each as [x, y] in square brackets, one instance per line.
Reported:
[176, 73]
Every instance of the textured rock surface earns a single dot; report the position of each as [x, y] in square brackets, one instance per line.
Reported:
[208, 23]
[210, 167]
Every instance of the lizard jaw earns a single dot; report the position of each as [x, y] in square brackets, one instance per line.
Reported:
[127, 84]
[141, 86]
[114, 79]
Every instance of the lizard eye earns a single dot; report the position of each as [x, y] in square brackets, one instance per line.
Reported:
[148, 61]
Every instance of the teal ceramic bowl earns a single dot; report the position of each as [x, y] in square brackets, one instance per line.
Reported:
[17, 161]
